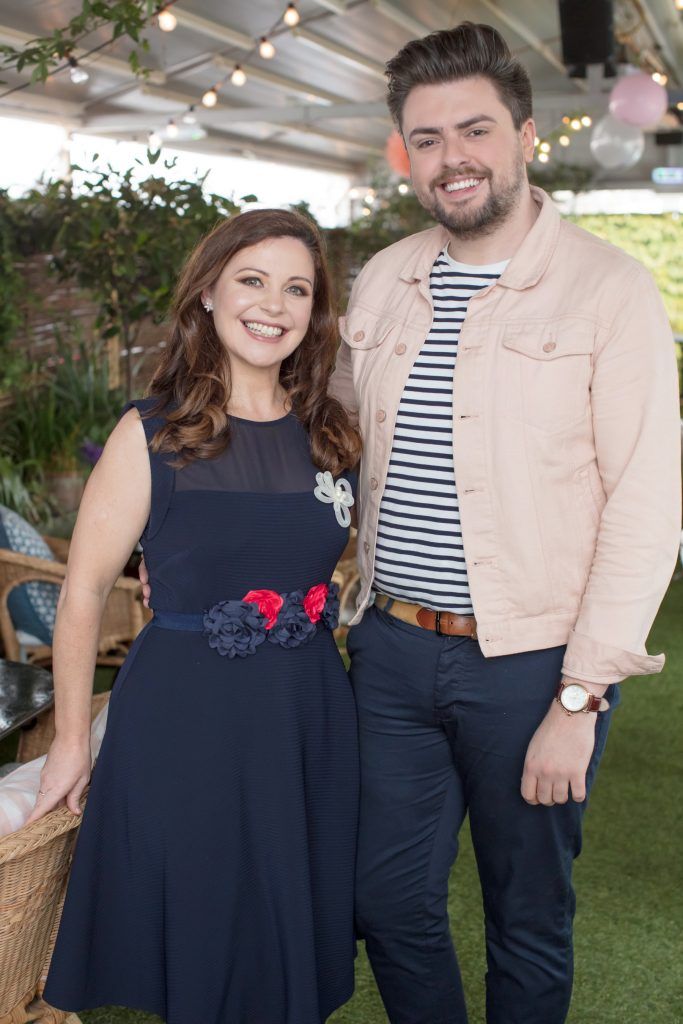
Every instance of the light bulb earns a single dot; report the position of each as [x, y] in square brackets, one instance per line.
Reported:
[659, 78]
[210, 97]
[189, 117]
[366, 211]
[545, 147]
[266, 48]
[586, 121]
[564, 140]
[166, 20]
[77, 74]
[575, 124]
[353, 193]
[543, 157]
[238, 76]
[565, 119]
[292, 17]
[172, 130]
[368, 199]
[403, 188]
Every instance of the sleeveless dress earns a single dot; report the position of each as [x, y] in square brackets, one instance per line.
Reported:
[212, 880]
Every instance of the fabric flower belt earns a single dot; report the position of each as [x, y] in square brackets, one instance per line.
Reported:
[237, 628]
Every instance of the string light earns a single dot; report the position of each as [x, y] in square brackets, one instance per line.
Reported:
[366, 211]
[353, 193]
[154, 141]
[266, 48]
[166, 20]
[564, 140]
[292, 17]
[536, 140]
[543, 157]
[403, 188]
[189, 116]
[575, 123]
[659, 78]
[210, 97]
[77, 74]
[678, 5]
[369, 198]
[565, 119]
[545, 147]
[238, 76]
[172, 130]
[586, 121]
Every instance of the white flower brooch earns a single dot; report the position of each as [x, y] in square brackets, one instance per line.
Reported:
[338, 494]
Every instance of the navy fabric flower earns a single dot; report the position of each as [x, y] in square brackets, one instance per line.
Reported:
[293, 626]
[235, 628]
[330, 612]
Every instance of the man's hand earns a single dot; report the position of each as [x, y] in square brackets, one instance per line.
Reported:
[144, 579]
[558, 754]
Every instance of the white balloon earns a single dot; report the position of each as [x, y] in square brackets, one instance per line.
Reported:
[615, 144]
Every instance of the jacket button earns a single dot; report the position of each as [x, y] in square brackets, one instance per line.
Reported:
[374, 484]
[359, 335]
[381, 416]
[400, 349]
[549, 346]
[366, 547]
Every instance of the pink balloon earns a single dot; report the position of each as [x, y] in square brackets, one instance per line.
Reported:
[638, 100]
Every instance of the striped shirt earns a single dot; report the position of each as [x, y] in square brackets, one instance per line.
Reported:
[419, 554]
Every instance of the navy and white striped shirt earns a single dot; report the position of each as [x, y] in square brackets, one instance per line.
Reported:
[419, 555]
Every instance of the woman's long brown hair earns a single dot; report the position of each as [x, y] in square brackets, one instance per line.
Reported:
[192, 381]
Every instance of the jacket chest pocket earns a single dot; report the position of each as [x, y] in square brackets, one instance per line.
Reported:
[366, 333]
[546, 373]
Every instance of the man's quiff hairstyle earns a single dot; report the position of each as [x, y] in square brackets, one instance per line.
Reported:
[466, 51]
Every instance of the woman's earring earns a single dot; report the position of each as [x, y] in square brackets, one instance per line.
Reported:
[208, 305]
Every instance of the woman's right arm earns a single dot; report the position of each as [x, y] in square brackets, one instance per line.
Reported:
[111, 519]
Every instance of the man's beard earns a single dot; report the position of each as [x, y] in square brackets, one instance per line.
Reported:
[467, 224]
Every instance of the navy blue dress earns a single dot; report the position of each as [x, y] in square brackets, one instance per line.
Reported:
[212, 881]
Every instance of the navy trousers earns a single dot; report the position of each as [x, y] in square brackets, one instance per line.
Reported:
[444, 733]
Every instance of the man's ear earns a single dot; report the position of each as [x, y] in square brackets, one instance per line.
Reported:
[528, 135]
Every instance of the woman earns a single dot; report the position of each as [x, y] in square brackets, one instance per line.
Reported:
[212, 879]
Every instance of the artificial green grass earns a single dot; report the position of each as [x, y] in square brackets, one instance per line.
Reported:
[629, 967]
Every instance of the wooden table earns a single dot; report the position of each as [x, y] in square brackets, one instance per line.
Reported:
[25, 691]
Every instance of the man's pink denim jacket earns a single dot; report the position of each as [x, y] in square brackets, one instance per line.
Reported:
[566, 437]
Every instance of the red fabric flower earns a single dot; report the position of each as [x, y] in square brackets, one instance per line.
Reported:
[269, 604]
[314, 601]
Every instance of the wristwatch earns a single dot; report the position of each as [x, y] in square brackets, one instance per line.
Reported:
[574, 698]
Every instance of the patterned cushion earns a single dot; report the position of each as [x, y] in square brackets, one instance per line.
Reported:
[19, 789]
[33, 605]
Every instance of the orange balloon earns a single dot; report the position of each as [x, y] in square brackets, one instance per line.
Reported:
[396, 155]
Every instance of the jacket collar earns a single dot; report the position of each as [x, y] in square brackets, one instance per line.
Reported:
[526, 267]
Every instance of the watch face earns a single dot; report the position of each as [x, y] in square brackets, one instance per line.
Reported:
[574, 697]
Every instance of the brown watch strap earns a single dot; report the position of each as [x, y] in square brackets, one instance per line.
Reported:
[594, 703]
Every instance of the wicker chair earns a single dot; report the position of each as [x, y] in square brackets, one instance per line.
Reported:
[34, 867]
[124, 614]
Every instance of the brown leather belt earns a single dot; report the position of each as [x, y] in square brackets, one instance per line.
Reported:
[443, 623]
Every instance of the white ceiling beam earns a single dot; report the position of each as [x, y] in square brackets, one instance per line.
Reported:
[536, 44]
[37, 107]
[222, 117]
[391, 12]
[302, 114]
[291, 85]
[213, 29]
[660, 37]
[344, 53]
[95, 61]
[336, 6]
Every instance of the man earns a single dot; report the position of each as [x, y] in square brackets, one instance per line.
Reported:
[515, 382]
